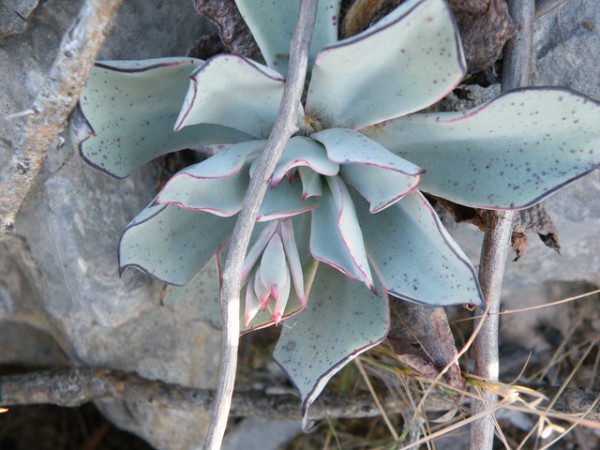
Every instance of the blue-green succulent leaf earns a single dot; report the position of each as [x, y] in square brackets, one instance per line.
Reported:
[273, 270]
[346, 146]
[217, 184]
[272, 25]
[259, 242]
[407, 61]
[263, 318]
[295, 304]
[342, 320]
[418, 260]
[275, 274]
[171, 243]
[252, 303]
[132, 106]
[235, 92]
[380, 187]
[228, 161]
[380, 176]
[293, 258]
[285, 200]
[302, 151]
[219, 196]
[508, 153]
[336, 237]
[312, 185]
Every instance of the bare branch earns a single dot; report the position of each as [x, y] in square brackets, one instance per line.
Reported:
[518, 56]
[284, 127]
[54, 103]
[72, 387]
[518, 53]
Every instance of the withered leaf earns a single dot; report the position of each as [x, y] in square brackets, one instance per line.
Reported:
[421, 338]
[207, 46]
[485, 26]
[535, 219]
[233, 31]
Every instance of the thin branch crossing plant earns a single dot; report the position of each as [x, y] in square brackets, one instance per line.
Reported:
[283, 129]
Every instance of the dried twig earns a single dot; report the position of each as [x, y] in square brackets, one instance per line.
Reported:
[72, 387]
[285, 126]
[53, 104]
[517, 73]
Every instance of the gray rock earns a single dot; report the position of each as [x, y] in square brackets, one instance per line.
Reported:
[255, 433]
[24, 61]
[24, 336]
[60, 280]
[14, 15]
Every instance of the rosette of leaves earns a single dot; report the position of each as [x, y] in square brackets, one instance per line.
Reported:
[345, 193]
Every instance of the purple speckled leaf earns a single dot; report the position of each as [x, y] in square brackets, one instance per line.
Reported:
[220, 196]
[172, 243]
[234, 92]
[380, 176]
[263, 317]
[336, 237]
[380, 187]
[312, 183]
[272, 25]
[293, 258]
[131, 107]
[285, 200]
[217, 184]
[228, 161]
[261, 237]
[342, 320]
[405, 62]
[508, 153]
[346, 146]
[417, 259]
[301, 151]
[199, 298]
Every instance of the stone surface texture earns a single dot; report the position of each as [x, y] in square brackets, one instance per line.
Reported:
[14, 15]
[61, 299]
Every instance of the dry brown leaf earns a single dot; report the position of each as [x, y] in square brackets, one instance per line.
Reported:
[421, 338]
[233, 31]
[535, 219]
[485, 26]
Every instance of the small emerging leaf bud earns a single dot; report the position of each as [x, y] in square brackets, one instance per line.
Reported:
[273, 270]
[272, 265]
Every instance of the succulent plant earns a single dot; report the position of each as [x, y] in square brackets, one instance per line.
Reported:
[345, 193]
